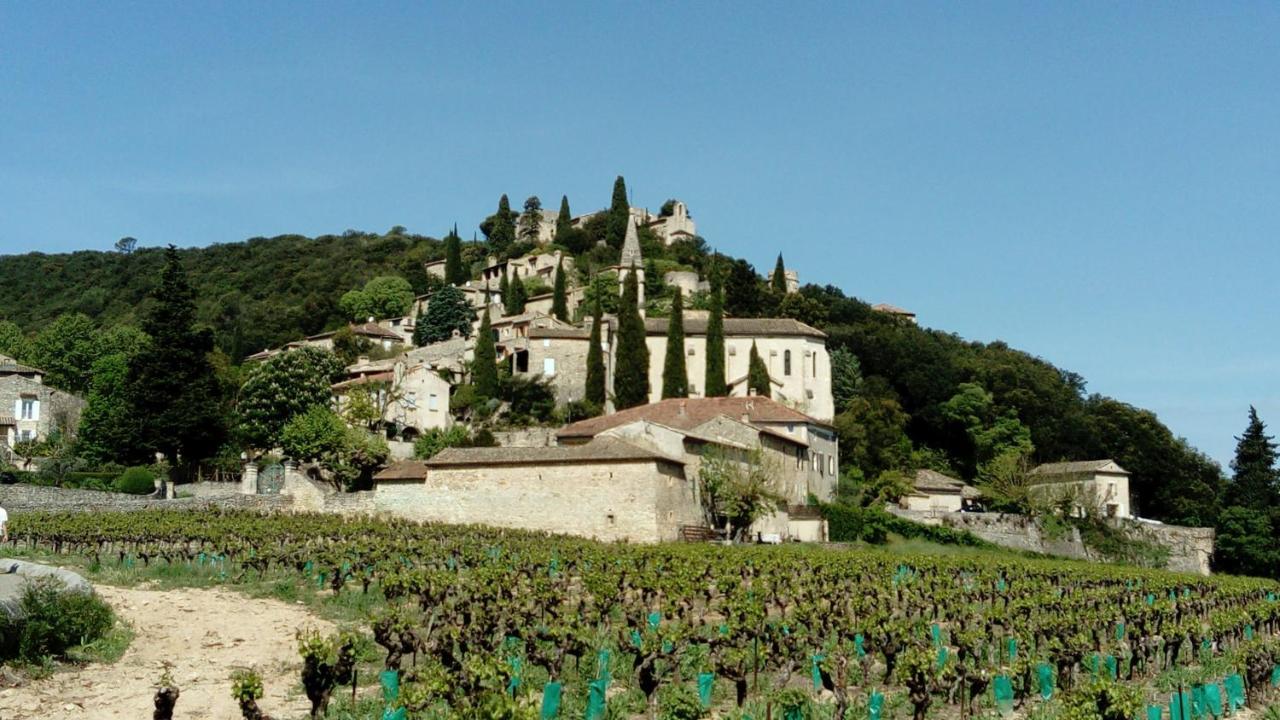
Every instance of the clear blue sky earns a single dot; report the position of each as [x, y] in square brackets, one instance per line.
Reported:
[1096, 183]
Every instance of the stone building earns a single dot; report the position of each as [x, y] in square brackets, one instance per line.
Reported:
[672, 222]
[31, 410]
[1097, 485]
[933, 491]
[378, 335]
[895, 311]
[541, 265]
[605, 489]
[408, 390]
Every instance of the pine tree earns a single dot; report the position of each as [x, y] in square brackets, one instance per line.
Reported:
[675, 376]
[559, 297]
[564, 220]
[757, 374]
[619, 215]
[531, 220]
[595, 390]
[779, 280]
[715, 381]
[631, 379]
[447, 310]
[454, 273]
[517, 295]
[172, 387]
[484, 368]
[1255, 484]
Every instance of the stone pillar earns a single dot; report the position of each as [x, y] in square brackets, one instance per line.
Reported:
[170, 492]
[291, 476]
[249, 479]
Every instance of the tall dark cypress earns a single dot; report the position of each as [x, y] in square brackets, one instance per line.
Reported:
[675, 376]
[503, 233]
[779, 280]
[595, 390]
[715, 381]
[172, 387]
[757, 374]
[559, 296]
[504, 291]
[454, 274]
[1255, 484]
[631, 378]
[564, 220]
[484, 367]
[619, 215]
[517, 296]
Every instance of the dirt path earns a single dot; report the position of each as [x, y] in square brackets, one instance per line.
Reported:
[205, 634]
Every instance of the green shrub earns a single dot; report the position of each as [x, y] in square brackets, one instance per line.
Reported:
[679, 702]
[91, 480]
[53, 622]
[848, 523]
[136, 481]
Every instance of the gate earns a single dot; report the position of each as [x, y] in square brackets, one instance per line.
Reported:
[270, 479]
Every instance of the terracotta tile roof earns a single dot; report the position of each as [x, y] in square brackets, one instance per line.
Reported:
[1077, 467]
[598, 450]
[689, 413]
[738, 327]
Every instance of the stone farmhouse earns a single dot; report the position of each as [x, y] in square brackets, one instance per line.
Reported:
[934, 492]
[1099, 485]
[31, 410]
[631, 476]
[376, 333]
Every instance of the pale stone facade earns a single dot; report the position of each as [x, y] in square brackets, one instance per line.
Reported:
[1100, 485]
[676, 226]
[29, 409]
[607, 491]
[934, 492]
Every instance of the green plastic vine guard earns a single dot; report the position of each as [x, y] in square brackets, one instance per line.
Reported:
[1213, 699]
[1154, 712]
[550, 700]
[595, 700]
[1235, 692]
[655, 619]
[1275, 676]
[793, 713]
[942, 657]
[1248, 632]
[706, 681]
[390, 681]
[1180, 706]
[396, 714]
[936, 633]
[859, 646]
[1044, 674]
[1113, 667]
[875, 705]
[517, 672]
[1199, 704]
[1002, 687]
[1012, 647]
[635, 638]
[602, 667]
[815, 669]
[1120, 630]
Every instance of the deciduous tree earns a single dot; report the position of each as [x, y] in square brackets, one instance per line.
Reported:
[281, 388]
[386, 296]
[109, 429]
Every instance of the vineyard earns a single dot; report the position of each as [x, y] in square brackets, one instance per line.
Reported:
[473, 622]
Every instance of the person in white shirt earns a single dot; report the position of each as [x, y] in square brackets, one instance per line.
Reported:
[4, 525]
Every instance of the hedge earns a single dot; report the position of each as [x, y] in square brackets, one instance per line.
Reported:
[873, 525]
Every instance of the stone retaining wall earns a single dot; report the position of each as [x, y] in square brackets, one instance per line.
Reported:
[30, 498]
[1190, 549]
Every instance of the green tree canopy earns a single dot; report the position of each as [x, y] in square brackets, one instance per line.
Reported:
[595, 392]
[846, 375]
[631, 378]
[455, 273]
[531, 220]
[517, 295]
[559, 295]
[172, 386]
[281, 388]
[386, 296]
[714, 383]
[66, 351]
[779, 279]
[447, 311]
[484, 369]
[619, 215]
[675, 373]
[109, 430]
[564, 221]
[1255, 483]
[500, 227]
[13, 342]
[758, 382]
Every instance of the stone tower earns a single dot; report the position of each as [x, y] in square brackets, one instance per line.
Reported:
[631, 258]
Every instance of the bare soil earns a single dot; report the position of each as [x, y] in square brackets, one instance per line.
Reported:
[205, 634]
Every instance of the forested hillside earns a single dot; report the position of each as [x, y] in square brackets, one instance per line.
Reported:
[253, 294]
[907, 397]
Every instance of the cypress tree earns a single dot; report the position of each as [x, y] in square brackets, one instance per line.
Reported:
[504, 291]
[595, 390]
[1255, 484]
[484, 368]
[675, 377]
[619, 215]
[757, 374]
[517, 296]
[559, 299]
[564, 220]
[454, 273]
[715, 383]
[173, 389]
[779, 280]
[631, 378]
[503, 231]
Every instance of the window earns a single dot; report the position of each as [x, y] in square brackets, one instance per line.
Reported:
[433, 403]
[411, 399]
[815, 364]
[831, 465]
[786, 363]
[29, 409]
[548, 366]
[26, 436]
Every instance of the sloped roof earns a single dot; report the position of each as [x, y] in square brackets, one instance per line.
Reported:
[598, 450]
[891, 309]
[689, 413]
[367, 329]
[573, 333]
[933, 482]
[1078, 467]
[738, 326]
[8, 366]
[403, 470]
[364, 380]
